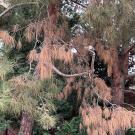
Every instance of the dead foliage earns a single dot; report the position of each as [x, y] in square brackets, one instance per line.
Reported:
[106, 121]
[102, 89]
[106, 56]
[6, 38]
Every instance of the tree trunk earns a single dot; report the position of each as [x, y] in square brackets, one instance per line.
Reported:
[26, 124]
[118, 80]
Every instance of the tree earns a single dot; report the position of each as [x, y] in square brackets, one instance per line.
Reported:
[111, 25]
[48, 32]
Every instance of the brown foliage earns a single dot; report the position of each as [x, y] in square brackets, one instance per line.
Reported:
[52, 48]
[103, 121]
[102, 89]
[7, 39]
[30, 33]
[32, 56]
[107, 57]
[19, 45]
[46, 57]
[67, 90]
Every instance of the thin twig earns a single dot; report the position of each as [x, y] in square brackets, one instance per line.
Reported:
[106, 101]
[30, 68]
[129, 105]
[93, 60]
[78, 3]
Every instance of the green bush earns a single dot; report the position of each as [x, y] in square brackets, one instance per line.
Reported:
[4, 124]
[131, 131]
[69, 128]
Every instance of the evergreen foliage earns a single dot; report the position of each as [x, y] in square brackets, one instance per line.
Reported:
[112, 22]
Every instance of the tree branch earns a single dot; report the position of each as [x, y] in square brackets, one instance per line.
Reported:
[129, 91]
[78, 3]
[14, 6]
[131, 106]
[67, 75]
[78, 74]
[130, 76]
[93, 60]
[129, 49]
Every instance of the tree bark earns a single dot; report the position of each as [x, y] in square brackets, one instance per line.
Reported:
[118, 80]
[26, 124]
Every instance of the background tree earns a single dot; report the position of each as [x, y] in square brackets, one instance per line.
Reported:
[111, 25]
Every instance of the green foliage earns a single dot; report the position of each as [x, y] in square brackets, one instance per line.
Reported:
[131, 131]
[5, 97]
[64, 109]
[4, 124]
[69, 128]
[47, 121]
[25, 1]
[32, 96]
[112, 22]
[6, 67]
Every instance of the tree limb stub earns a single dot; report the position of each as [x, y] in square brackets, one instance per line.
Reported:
[15, 6]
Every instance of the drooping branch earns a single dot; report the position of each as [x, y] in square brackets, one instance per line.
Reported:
[15, 6]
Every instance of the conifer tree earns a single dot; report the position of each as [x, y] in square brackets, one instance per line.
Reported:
[111, 25]
[43, 31]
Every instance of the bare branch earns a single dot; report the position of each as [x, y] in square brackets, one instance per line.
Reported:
[129, 49]
[129, 91]
[130, 76]
[65, 75]
[93, 60]
[131, 106]
[78, 3]
[14, 6]
[90, 72]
